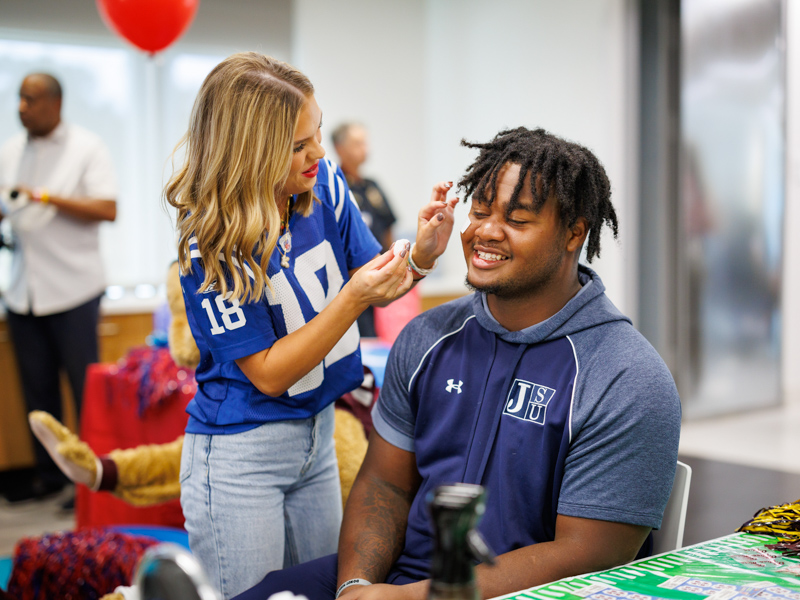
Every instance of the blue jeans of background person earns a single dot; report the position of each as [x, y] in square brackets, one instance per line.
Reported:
[261, 500]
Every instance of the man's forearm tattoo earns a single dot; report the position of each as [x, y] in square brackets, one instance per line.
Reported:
[384, 519]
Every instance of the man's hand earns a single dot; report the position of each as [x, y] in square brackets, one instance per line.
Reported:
[25, 191]
[385, 591]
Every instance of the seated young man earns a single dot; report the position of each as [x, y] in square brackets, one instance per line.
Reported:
[535, 386]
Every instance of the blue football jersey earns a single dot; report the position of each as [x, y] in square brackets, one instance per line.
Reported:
[326, 245]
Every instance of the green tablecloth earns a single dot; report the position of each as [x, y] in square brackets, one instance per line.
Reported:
[734, 567]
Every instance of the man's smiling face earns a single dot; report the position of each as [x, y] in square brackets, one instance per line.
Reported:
[513, 251]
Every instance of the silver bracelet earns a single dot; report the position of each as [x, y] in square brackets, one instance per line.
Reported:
[417, 269]
[350, 582]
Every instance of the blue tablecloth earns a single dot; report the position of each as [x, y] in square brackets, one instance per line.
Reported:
[374, 354]
[5, 571]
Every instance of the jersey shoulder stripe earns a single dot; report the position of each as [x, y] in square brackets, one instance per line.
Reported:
[574, 386]
[331, 187]
[194, 253]
[432, 346]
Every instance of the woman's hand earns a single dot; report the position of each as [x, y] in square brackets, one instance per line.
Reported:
[434, 226]
[383, 279]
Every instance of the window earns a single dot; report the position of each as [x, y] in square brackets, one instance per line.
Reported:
[140, 106]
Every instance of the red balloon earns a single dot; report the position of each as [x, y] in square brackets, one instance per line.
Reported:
[151, 25]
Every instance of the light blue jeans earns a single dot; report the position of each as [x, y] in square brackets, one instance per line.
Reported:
[261, 500]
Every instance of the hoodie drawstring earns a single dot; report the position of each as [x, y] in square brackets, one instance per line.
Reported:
[498, 412]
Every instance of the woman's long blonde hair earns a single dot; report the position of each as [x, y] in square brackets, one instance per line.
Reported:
[238, 152]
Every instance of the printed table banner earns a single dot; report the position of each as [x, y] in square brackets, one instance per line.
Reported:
[735, 567]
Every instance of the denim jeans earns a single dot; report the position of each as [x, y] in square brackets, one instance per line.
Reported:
[261, 500]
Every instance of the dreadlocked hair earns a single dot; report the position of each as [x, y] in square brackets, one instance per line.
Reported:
[566, 169]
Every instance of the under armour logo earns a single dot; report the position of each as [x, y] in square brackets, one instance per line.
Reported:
[454, 386]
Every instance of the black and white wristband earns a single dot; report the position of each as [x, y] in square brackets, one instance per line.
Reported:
[350, 582]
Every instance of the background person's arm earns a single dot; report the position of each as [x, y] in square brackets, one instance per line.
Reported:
[89, 209]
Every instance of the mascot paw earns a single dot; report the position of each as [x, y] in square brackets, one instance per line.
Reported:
[74, 457]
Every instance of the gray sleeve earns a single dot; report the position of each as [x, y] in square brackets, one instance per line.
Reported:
[392, 416]
[625, 433]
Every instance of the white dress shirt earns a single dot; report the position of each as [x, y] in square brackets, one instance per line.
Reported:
[56, 264]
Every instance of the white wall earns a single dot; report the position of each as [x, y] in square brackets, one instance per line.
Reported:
[422, 74]
[557, 65]
[367, 64]
[791, 246]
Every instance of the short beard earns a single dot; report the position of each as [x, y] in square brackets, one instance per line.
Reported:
[514, 289]
[494, 290]
[499, 290]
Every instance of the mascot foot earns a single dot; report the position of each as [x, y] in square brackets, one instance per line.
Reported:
[74, 457]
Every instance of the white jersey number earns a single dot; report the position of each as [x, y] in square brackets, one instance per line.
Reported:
[307, 264]
[226, 312]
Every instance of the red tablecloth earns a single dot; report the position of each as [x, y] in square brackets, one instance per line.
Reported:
[126, 405]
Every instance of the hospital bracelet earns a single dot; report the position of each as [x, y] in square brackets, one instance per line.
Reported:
[350, 582]
[415, 268]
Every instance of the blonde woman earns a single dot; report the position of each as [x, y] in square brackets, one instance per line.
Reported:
[277, 264]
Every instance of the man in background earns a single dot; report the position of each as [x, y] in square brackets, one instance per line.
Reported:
[352, 146]
[61, 181]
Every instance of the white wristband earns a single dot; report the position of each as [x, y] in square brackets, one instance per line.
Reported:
[95, 487]
[417, 269]
[350, 582]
